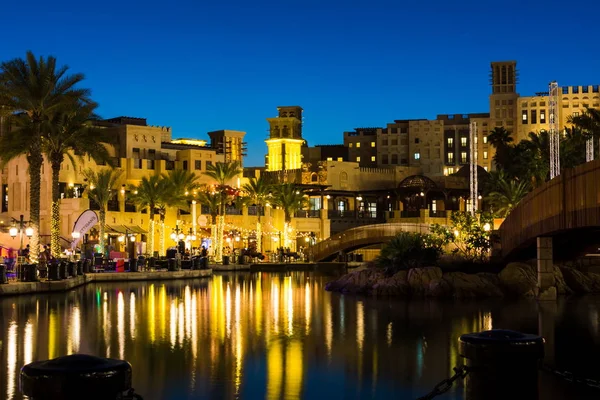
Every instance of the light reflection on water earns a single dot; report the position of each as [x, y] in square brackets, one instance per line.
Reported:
[270, 336]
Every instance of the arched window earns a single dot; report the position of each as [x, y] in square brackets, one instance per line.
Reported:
[314, 178]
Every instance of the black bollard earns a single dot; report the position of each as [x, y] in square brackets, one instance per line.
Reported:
[501, 364]
[3, 278]
[77, 376]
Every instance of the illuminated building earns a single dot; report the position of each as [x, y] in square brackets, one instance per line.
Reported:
[285, 140]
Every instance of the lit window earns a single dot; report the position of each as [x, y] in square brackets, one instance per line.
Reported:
[350, 145]
[450, 157]
[524, 116]
[485, 155]
[484, 139]
[373, 158]
[417, 156]
[450, 142]
[450, 171]
[576, 114]
[358, 159]
[329, 158]
[372, 144]
[357, 145]
[463, 141]
[463, 157]
[340, 158]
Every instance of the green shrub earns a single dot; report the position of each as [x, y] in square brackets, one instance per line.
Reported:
[408, 250]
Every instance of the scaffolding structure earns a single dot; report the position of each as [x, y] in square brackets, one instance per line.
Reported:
[589, 149]
[554, 134]
[474, 193]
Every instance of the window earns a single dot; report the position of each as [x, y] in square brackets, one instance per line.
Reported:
[484, 139]
[185, 165]
[357, 145]
[394, 159]
[384, 159]
[358, 159]
[329, 158]
[595, 88]
[534, 116]
[542, 116]
[198, 164]
[463, 141]
[340, 158]
[450, 171]
[524, 116]
[373, 158]
[576, 114]
[463, 157]
[416, 140]
[394, 142]
[565, 90]
[450, 157]
[485, 155]
[350, 145]
[372, 144]
[384, 142]
[417, 156]
[450, 142]
[575, 89]
[585, 89]
[208, 163]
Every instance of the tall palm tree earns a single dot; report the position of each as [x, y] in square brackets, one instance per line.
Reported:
[291, 199]
[589, 123]
[507, 195]
[148, 194]
[71, 130]
[34, 89]
[258, 191]
[177, 186]
[101, 189]
[212, 202]
[501, 140]
[222, 173]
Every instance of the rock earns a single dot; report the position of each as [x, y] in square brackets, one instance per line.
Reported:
[396, 285]
[559, 281]
[548, 294]
[356, 281]
[462, 285]
[519, 279]
[595, 280]
[577, 280]
[419, 279]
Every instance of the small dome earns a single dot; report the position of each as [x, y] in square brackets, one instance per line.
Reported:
[417, 182]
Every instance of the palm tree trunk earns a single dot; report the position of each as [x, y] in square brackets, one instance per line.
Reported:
[161, 236]
[35, 160]
[219, 238]
[102, 217]
[55, 211]
[150, 244]
[258, 235]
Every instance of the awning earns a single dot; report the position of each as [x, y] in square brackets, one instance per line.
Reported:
[123, 229]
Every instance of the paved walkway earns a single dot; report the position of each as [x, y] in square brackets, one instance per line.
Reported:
[16, 288]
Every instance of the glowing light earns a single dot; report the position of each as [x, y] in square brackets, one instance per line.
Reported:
[121, 324]
[487, 227]
[121, 239]
[456, 233]
[132, 315]
[360, 325]
[28, 343]
[75, 328]
[173, 324]
[13, 231]
[76, 235]
[11, 359]
[29, 231]
[228, 310]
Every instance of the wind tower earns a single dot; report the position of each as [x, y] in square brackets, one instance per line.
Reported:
[284, 144]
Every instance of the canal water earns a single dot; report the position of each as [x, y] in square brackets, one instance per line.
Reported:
[280, 335]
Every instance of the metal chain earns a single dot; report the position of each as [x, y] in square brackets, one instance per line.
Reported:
[571, 377]
[445, 385]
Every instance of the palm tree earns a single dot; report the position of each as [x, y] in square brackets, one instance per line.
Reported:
[101, 189]
[258, 191]
[212, 201]
[148, 194]
[177, 186]
[291, 199]
[588, 122]
[222, 173]
[507, 195]
[71, 130]
[501, 140]
[34, 89]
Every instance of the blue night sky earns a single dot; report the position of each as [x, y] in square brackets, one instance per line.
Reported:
[199, 66]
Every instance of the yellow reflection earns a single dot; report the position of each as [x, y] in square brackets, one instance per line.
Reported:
[258, 310]
[75, 329]
[106, 324]
[487, 321]
[121, 324]
[274, 370]
[162, 311]
[328, 329]
[11, 359]
[52, 326]
[194, 322]
[181, 321]
[238, 343]
[132, 316]
[389, 334]
[228, 310]
[173, 326]
[307, 307]
[151, 317]
[188, 312]
[293, 370]
[360, 325]
[288, 294]
[28, 343]
[275, 299]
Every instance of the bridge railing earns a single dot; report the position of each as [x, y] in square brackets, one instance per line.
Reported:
[354, 237]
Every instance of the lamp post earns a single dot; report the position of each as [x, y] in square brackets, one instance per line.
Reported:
[177, 235]
[14, 231]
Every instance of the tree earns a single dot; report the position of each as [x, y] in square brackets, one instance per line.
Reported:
[408, 250]
[100, 189]
[470, 235]
[34, 90]
[222, 173]
[589, 123]
[212, 201]
[291, 199]
[501, 140]
[258, 191]
[506, 195]
[148, 194]
[71, 130]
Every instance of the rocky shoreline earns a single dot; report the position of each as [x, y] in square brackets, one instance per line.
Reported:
[515, 280]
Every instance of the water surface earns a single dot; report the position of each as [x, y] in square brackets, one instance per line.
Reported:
[274, 336]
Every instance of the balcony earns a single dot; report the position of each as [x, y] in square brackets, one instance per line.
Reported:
[437, 213]
[308, 214]
[233, 211]
[410, 214]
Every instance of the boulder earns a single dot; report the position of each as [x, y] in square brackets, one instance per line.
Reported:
[420, 279]
[577, 280]
[559, 281]
[356, 281]
[461, 285]
[519, 279]
[396, 285]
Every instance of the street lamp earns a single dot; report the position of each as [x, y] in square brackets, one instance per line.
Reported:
[487, 227]
[14, 231]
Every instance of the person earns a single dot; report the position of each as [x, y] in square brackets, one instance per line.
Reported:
[25, 252]
[204, 252]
